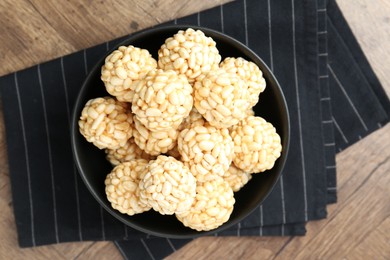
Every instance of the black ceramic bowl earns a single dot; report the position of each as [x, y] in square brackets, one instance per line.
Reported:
[93, 166]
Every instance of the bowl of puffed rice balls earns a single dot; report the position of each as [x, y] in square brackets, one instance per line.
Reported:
[180, 131]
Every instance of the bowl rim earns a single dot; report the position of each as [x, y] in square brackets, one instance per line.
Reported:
[133, 37]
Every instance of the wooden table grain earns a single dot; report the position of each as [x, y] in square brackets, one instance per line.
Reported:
[357, 227]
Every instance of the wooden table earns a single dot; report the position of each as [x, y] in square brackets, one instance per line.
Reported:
[358, 226]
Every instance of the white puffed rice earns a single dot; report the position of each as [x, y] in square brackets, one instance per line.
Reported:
[256, 144]
[250, 73]
[123, 67]
[194, 118]
[250, 112]
[221, 98]
[190, 53]
[106, 122]
[168, 186]
[122, 187]
[236, 178]
[206, 150]
[213, 205]
[126, 153]
[162, 100]
[154, 143]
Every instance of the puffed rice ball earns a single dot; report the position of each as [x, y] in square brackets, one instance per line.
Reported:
[190, 53]
[154, 143]
[212, 207]
[168, 186]
[106, 122]
[236, 178]
[206, 150]
[222, 98]
[256, 144]
[250, 73]
[122, 187]
[126, 153]
[194, 118]
[162, 100]
[124, 66]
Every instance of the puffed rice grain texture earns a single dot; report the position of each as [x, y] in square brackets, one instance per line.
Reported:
[122, 187]
[162, 100]
[236, 177]
[106, 122]
[126, 153]
[250, 73]
[206, 150]
[212, 207]
[257, 145]
[190, 53]
[154, 143]
[123, 67]
[221, 98]
[168, 186]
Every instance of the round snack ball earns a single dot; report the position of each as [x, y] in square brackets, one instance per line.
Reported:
[222, 98]
[236, 178]
[162, 100]
[256, 144]
[126, 153]
[154, 143]
[206, 150]
[168, 186]
[194, 118]
[250, 73]
[212, 207]
[106, 122]
[124, 66]
[190, 53]
[122, 187]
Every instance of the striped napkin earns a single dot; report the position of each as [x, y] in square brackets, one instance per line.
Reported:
[318, 63]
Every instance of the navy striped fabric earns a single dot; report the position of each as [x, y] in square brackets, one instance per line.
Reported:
[301, 41]
[353, 83]
[325, 100]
